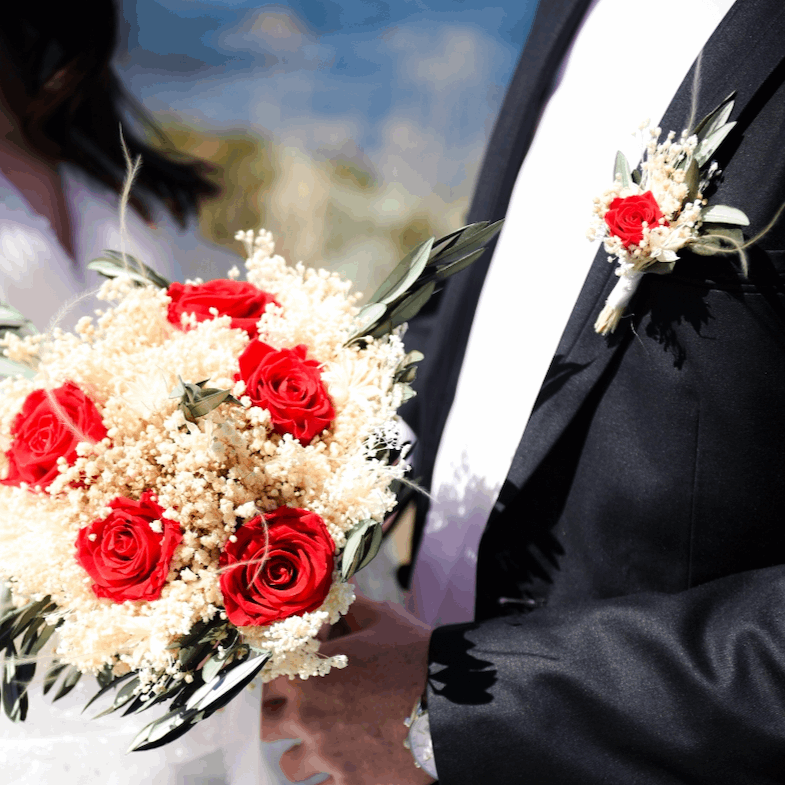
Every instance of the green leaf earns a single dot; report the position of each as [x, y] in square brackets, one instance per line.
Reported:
[362, 544]
[115, 682]
[407, 393]
[196, 400]
[10, 316]
[449, 240]
[367, 317]
[416, 267]
[715, 238]
[715, 119]
[16, 679]
[51, 675]
[69, 682]
[723, 214]
[165, 729]
[692, 178]
[709, 145]
[461, 264]
[470, 239]
[217, 661]
[412, 357]
[199, 633]
[406, 310]
[622, 169]
[16, 621]
[636, 176]
[215, 694]
[111, 266]
[124, 696]
[399, 274]
[34, 640]
[406, 371]
[12, 368]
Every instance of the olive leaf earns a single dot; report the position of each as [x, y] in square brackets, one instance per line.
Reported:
[17, 620]
[34, 640]
[165, 729]
[14, 321]
[51, 675]
[450, 269]
[199, 632]
[417, 265]
[406, 310]
[111, 266]
[229, 647]
[406, 371]
[717, 239]
[723, 214]
[621, 169]
[692, 177]
[219, 691]
[404, 292]
[368, 316]
[70, 681]
[463, 242]
[125, 695]
[715, 119]
[196, 400]
[709, 145]
[106, 686]
[404, 275]
[16, 679]
[172, 688]
[362, 544]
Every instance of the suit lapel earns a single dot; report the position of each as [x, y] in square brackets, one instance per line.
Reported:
[744, 51]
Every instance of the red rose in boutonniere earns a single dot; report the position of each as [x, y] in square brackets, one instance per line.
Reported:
[128, 553]
[626, 216]
[289, 386]
[243, 301]
[48, 427]
[650, 213]
[284, 571]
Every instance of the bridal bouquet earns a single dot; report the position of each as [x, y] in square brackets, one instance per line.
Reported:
[188, 481]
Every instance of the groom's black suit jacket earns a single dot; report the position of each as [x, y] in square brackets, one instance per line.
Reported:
[631, 583]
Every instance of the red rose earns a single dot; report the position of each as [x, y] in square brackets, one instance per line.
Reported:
[243, 301]
[289, 387]
[125, 557]
[625, 217]
[287, 571]
[45, 430]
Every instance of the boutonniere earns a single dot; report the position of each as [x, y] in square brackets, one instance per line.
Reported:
[651, 213]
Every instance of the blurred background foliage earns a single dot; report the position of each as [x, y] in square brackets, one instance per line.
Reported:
[352, 131]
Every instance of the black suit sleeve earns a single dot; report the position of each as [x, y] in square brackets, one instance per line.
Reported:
[648, 689]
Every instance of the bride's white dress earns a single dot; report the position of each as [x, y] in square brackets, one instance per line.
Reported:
[57, 745]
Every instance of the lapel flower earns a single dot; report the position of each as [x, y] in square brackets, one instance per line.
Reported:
[651, 213]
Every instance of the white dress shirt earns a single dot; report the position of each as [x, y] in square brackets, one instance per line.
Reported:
[625, 65]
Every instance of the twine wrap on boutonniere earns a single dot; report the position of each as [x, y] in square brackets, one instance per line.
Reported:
[650, 213]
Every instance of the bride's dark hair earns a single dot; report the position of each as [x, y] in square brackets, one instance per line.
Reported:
[58, 82]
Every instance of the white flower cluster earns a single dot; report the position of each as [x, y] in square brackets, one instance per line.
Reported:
[209, 475]
[665, 171]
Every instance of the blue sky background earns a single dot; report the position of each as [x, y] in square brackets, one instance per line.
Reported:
[352, 65]
[406, 91]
